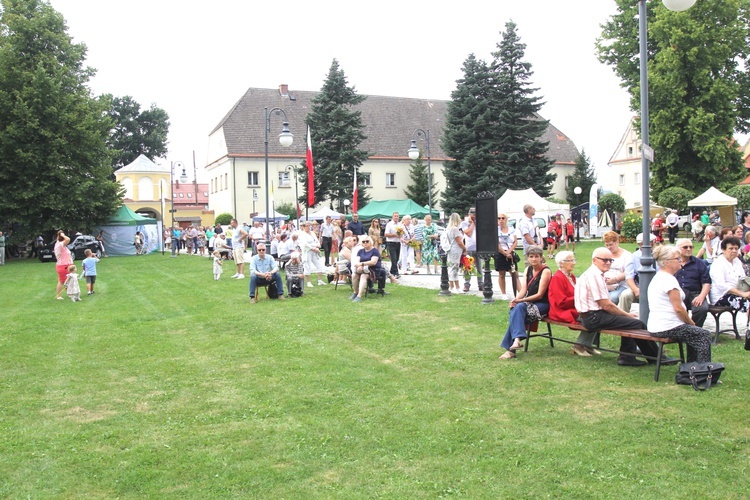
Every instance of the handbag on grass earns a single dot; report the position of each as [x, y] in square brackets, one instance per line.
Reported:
[700, 375]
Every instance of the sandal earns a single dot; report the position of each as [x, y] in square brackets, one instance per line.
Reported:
[517, 345]
[508, 355]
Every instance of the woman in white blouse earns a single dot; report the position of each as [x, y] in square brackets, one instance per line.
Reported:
[725, 272]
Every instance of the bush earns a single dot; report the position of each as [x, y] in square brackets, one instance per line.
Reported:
[632, 225]
[612, 202]
[676, 198]
[224, 219]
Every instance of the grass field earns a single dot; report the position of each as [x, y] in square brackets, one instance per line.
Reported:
[166, 383]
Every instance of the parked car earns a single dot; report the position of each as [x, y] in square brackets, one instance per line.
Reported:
[77, 249]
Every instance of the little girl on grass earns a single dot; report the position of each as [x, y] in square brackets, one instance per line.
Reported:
[217, 265]
[71, 282]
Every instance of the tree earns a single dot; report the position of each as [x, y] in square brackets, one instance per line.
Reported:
[614, 203]
[336, 131]
[54, 161]
[583, 177]
[675, 197]
[742, 193]
[287, 209]
[493, 131]
[224, 219]
[135, 132]
[699, 87]
[417, 190]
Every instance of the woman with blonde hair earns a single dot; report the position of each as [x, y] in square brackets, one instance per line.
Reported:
[374, 233]
[455, 249]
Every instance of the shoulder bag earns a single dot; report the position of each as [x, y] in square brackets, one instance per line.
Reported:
[700, 375]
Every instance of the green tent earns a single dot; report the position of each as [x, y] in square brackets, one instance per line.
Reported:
[126, 217]
[119, 232]
[384, 209]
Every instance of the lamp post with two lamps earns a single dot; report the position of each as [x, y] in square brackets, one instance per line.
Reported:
[414, 155]
[172, 211]
[646, 271]
[285, 139]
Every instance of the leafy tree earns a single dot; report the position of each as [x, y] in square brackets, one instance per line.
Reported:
[742, 193]
[135, 132]
[417, 190]
[336, 131]
[54, 161]
[583, 177]
[675, 197]
[699, 87]
[224, 218]
[493, 131]
[287, 209]
[552, 199]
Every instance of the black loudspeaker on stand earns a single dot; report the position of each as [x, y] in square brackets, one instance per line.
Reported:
[486, 229]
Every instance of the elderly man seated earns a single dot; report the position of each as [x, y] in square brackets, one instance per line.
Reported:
[367, 264]
[264, 271]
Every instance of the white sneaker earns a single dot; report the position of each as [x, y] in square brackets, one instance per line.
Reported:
[234, 275]
[321, 282]
[240, 276]
[309, 284]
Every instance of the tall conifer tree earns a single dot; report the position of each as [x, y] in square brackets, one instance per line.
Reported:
[336, 131]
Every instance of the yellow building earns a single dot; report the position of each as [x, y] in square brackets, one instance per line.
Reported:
[148, 193]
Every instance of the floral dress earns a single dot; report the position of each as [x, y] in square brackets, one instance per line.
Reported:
[429, 247]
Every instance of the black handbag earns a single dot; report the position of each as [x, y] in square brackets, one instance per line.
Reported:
[747, 340]
[700, 375]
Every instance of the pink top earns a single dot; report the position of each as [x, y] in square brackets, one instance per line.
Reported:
[62, 254]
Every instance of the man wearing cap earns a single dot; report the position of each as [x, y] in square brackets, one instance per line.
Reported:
[694, 280]
[631, 294]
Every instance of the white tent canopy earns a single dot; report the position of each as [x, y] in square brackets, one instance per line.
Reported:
[511, 204]
[275, 217]
[712, 198]
[322, 214]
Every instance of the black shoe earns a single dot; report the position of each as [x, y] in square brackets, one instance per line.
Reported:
[383, 292]
[629, 361]
[666, 360]
[370, 290]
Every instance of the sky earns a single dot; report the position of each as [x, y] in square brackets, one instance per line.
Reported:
[195, 60]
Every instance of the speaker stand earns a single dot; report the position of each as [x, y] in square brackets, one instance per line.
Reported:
[487, 281]
[444, 283]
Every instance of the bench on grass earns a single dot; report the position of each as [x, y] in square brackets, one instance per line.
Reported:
[717, 311]
[633, 334]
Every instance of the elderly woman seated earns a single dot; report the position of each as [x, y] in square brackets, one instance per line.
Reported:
[343, 265]
[561, 293]
[725, 273]
[367, 265]
[295, 274]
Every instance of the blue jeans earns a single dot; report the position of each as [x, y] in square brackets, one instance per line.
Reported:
[255, 282]
[517, 322]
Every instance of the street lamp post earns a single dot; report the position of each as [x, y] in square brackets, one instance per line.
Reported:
[293, 168]
[646, 271]
[285, 139]
[414, 155]
[172, 211]
[577, 190]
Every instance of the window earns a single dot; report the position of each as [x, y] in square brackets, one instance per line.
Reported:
[190, 195]
[630, 151]
[567, 182]
[364, 178]
[284, 180]
[622, 179]
[226, 181]
[252, 179]
[205, 193]
[637, 178]
[182, 196]
[390, 180]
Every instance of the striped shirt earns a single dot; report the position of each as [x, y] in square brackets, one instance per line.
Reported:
[590, 288]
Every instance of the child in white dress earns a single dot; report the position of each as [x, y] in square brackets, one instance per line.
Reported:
[71, 283]
[217, 265]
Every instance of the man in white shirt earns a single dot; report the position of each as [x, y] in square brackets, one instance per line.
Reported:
[326, 239]
[393, 242]
[239, 240]
[672, 226]
[528, 228]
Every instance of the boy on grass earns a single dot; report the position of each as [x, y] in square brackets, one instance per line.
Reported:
[89, 271]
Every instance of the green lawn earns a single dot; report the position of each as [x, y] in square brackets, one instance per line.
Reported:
[169, 384]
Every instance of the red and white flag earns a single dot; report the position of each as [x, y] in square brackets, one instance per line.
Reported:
[310, 173]
[354, 195]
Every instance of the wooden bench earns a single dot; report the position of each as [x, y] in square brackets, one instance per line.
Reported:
[633, 334]
[717, 311]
